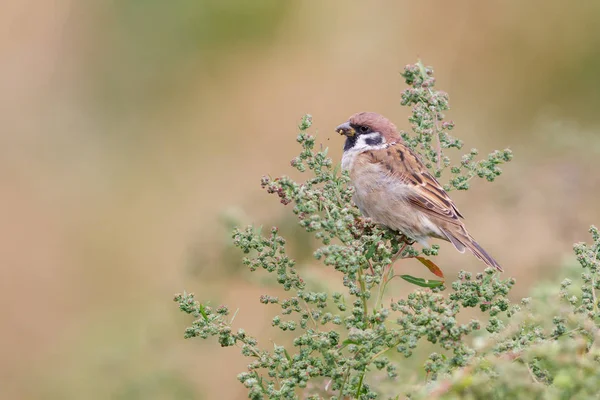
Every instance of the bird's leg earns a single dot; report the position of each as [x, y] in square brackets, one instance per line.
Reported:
[407, 242]
[399, 253]
[395, 257]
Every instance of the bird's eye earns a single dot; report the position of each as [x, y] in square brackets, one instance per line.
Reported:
[364, 129]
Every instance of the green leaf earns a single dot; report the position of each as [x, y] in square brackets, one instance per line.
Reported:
[428, 283]
[347, 342]
[487, 279]
[431, 266]
[203, 312]
[369, 254]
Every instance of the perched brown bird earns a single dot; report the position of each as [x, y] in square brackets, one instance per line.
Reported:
[394, 188]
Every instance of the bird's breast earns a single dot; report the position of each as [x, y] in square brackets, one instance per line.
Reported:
[383, 197]
[348, 159]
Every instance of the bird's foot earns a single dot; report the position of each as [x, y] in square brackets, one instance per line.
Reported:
[407, 242]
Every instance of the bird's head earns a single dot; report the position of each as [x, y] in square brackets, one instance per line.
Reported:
[367, 130]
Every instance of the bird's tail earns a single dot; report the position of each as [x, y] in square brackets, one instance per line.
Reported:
[464, 240]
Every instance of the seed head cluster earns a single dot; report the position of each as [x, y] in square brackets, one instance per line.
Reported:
[358, 343]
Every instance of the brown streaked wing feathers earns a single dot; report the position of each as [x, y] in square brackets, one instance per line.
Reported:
[428, 195]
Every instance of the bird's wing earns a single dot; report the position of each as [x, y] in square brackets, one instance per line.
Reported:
[427, 194]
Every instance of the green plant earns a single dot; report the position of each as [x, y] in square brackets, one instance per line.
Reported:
[549, 348]
[348, 345]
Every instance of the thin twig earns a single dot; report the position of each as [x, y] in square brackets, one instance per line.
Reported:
[310, 314]
[346, 375]
[382, 352]
[531, 373]
[363, 290]
[439, 143]
[594, 287]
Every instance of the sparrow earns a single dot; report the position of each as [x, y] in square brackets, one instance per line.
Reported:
[393, 187]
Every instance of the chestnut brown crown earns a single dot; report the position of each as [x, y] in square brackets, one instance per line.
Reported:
[375, 123]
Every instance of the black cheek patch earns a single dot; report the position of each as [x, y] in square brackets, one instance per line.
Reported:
[376, 141]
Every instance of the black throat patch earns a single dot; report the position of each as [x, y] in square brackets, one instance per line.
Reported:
[350, 142]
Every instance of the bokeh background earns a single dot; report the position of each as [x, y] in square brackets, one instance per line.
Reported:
[133, 134]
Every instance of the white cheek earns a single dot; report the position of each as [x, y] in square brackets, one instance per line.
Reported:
[360, 146]
[361, 142]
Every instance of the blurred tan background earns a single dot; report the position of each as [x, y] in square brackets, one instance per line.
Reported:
[132, 133]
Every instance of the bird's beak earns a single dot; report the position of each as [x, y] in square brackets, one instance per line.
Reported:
[345, 129]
